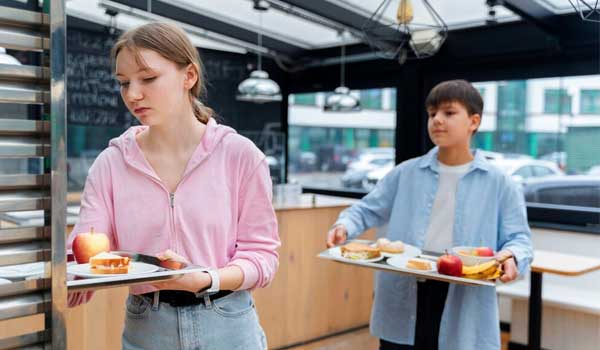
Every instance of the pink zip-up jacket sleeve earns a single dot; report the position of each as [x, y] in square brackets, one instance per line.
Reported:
[257, 238]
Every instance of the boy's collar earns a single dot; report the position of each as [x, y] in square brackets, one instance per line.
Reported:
[430, 160]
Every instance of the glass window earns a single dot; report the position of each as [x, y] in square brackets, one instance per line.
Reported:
[557, 101]
[524, 172]
[371, 99]
[305, 99]
[531, 132]
[542, 171]
[393, 99]
[336, 151]
[590, 102]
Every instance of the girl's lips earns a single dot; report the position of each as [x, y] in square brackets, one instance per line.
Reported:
[140, 110]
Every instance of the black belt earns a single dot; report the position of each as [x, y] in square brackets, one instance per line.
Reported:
[178, 298]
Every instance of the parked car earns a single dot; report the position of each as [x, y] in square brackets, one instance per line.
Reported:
[595, 170]
[521, 169]
[560, 158]
[333, 158]
[574, 190]
[374, 176]
[304, 161]
[366, 161]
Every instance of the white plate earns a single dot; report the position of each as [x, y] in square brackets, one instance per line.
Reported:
[4, 281]
[401, 261]
[22, 271]
[409, 251]
[135, 268]
[337, 252]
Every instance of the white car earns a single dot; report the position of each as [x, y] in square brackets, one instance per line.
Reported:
[368, 160]
[521, 169]
[374, 176]
[595, 170]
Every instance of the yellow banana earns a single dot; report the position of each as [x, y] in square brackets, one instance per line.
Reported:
[475, 269]
[492, 273]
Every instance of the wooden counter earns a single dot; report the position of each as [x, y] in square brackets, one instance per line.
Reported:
[309, 297]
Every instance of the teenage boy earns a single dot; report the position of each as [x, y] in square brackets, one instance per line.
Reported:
[449, 197]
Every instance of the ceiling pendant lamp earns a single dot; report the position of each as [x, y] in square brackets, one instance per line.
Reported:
[258, 88]
[395, 38]
[341, 100]
[588, 10]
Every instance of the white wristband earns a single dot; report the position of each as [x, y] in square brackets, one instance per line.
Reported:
[215, 284]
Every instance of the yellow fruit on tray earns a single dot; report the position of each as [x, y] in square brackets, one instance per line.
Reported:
[488, 270]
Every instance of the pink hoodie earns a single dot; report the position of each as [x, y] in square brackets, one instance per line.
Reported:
[220, 214]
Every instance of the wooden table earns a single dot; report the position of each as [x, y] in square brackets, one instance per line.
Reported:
[555, 263]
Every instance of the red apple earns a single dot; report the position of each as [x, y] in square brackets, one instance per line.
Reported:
[450, 265]
[88, 244]
[484, 251]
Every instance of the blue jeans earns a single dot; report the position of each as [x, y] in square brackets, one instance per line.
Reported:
[227, 323]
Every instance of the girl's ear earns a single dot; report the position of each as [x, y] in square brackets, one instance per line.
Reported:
[191, 76]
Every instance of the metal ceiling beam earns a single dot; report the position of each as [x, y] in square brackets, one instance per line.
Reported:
[212, 24]
[536, 14]
[338, 13]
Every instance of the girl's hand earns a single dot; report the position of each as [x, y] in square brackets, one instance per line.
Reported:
[190, 282]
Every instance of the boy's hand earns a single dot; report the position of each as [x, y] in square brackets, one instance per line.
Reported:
[337, 235]
[509, 266]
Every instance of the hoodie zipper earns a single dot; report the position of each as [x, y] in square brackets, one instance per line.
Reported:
[172, 210]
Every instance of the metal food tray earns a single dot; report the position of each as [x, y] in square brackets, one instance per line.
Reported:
[384, 266]
[168, 269]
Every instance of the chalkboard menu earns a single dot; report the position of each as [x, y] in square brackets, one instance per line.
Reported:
[93, 93]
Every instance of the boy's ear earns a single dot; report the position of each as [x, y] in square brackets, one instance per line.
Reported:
[475, 122]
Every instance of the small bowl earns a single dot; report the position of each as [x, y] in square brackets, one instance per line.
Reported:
[470, 260]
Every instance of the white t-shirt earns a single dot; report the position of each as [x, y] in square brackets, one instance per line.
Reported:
[441, 221]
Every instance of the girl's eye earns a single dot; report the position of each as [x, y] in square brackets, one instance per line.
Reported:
[123, 83]
[148, 80]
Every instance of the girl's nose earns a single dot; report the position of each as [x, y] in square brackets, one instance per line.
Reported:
[134, 93]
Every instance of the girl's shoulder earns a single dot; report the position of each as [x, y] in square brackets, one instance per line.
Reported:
[242, 149]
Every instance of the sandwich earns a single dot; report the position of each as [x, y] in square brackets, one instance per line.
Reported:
[359, 251]
[108, 263]
[386, 246]
[418, 264]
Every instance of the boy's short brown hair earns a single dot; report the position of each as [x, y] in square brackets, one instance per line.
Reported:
[460, 91]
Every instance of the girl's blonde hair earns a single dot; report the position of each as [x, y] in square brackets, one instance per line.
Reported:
[172, 43]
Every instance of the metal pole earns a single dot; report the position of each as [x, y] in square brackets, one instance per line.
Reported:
[535, 312]
[58, 121]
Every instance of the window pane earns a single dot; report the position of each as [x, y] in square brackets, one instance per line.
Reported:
[590, 101]
[305, 99]
[340, 151]
[545, 134]
[370, 99]
[557, 101]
